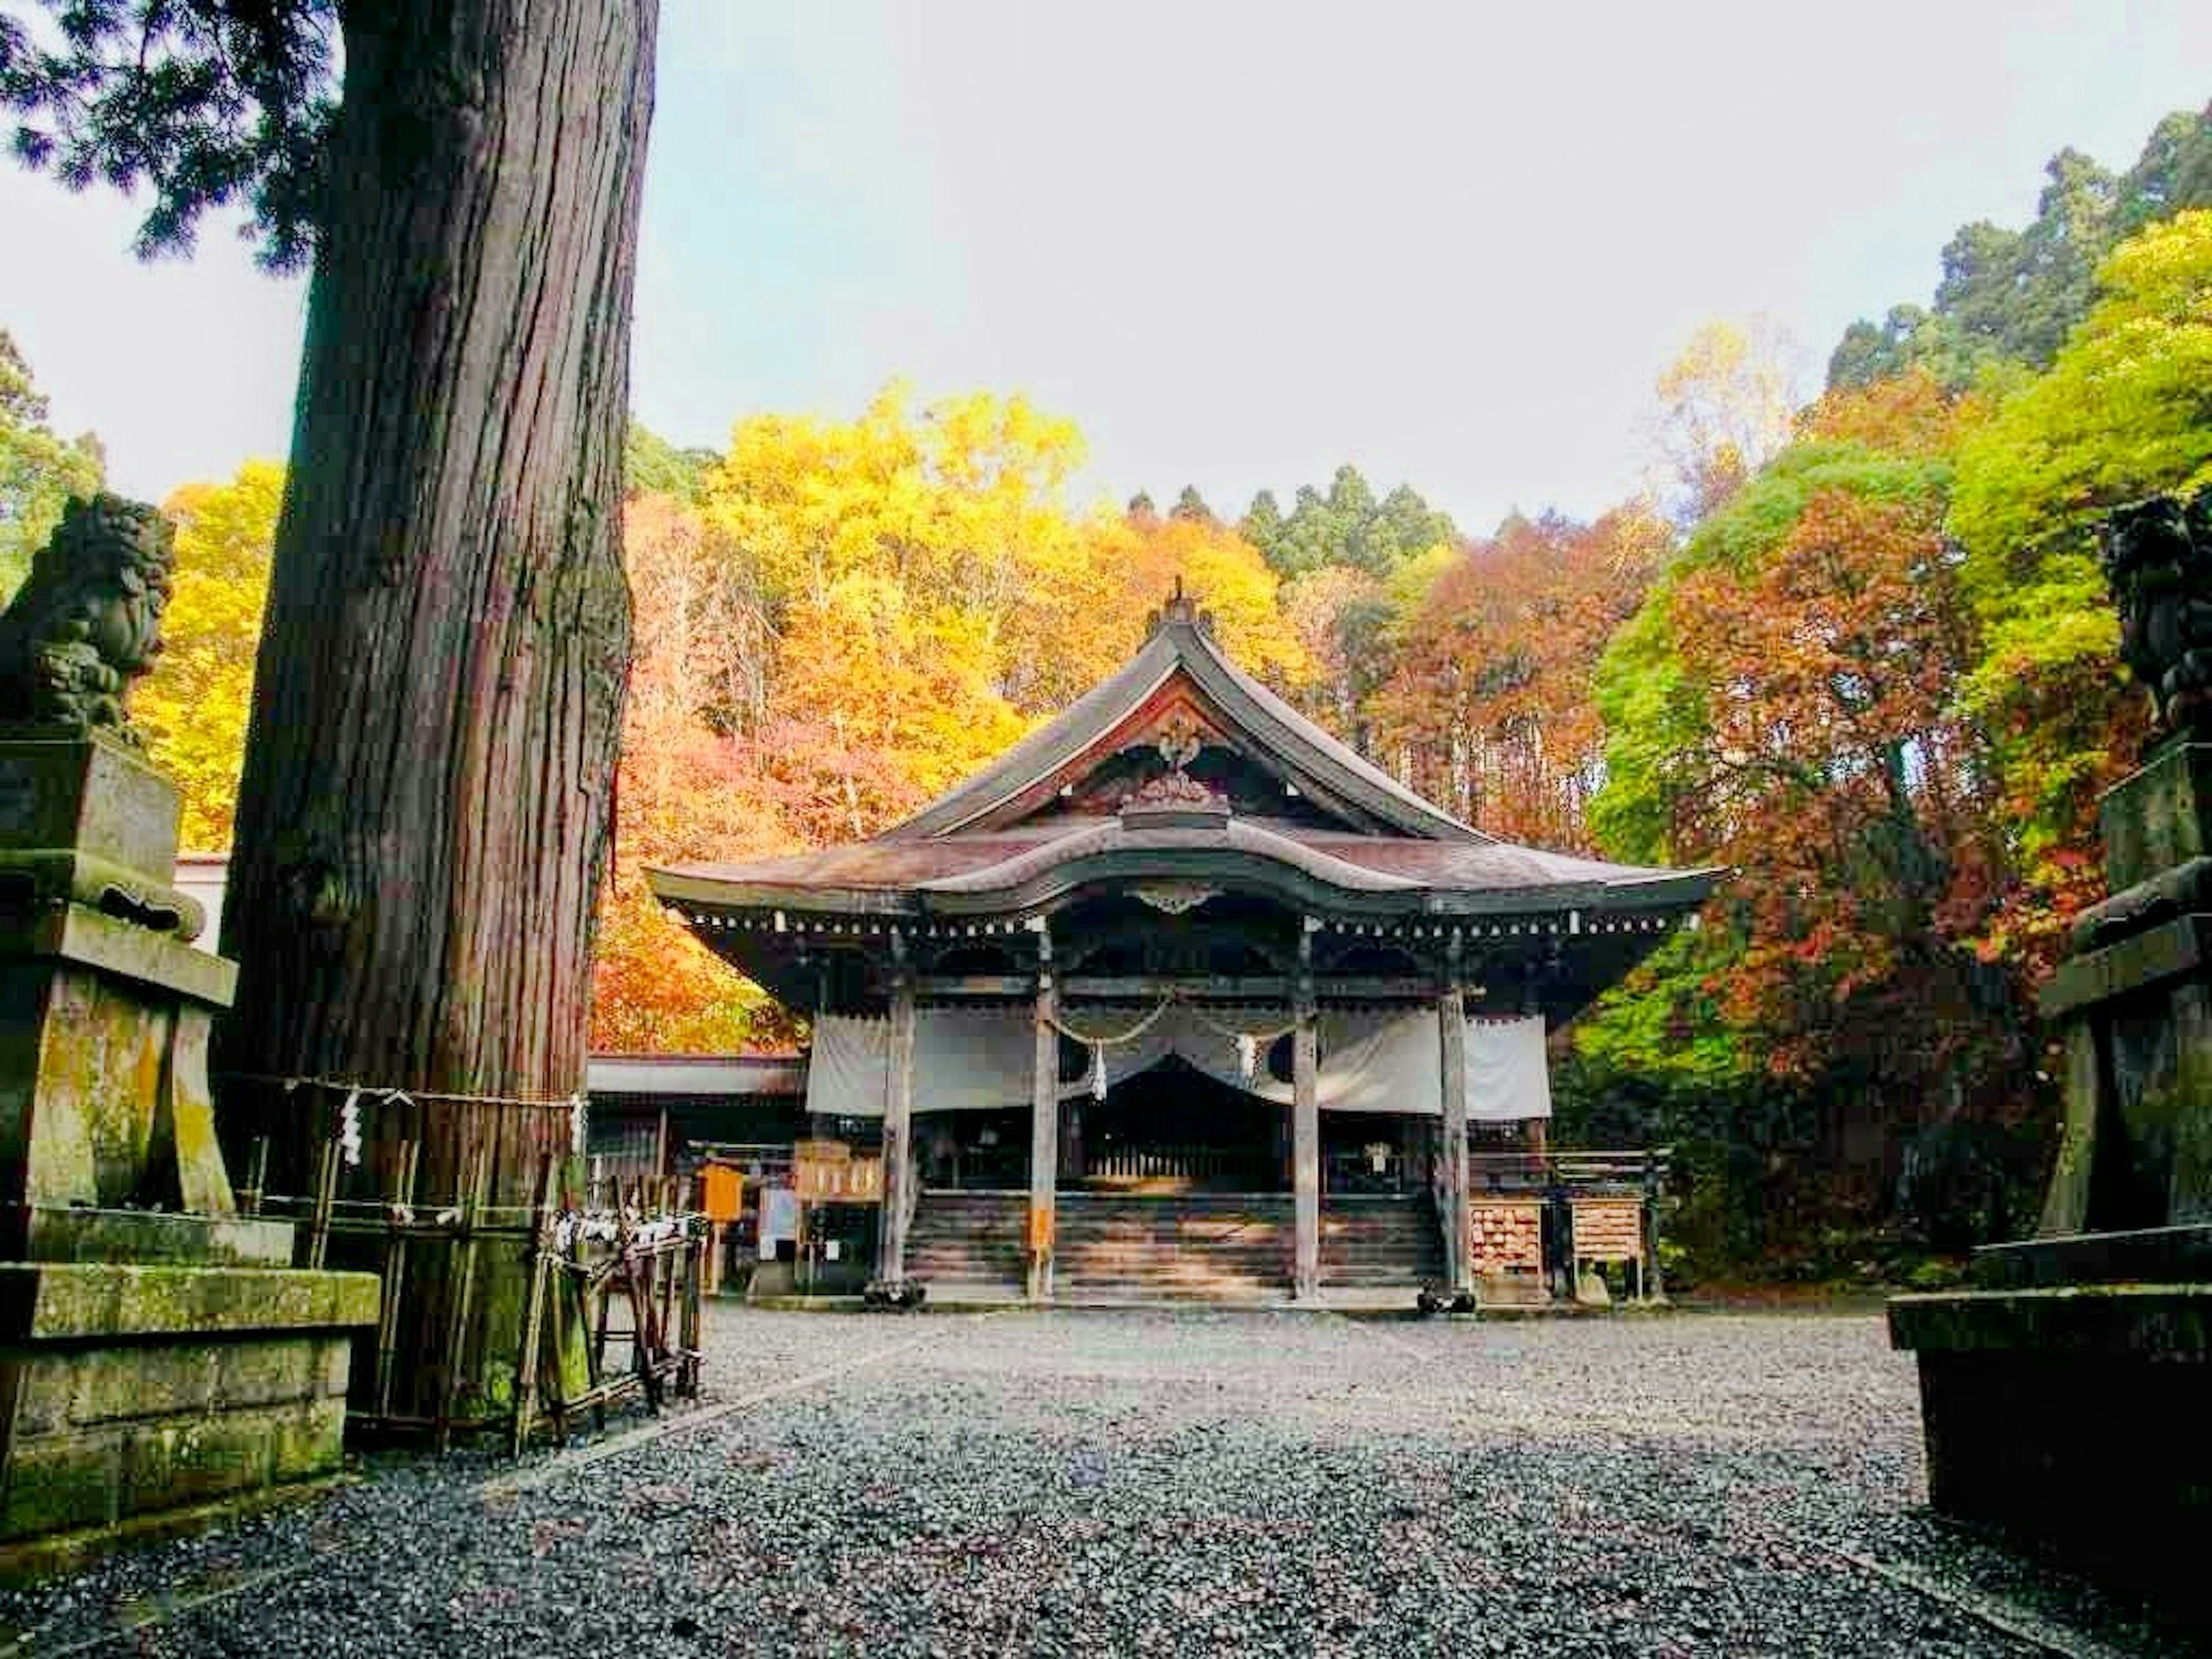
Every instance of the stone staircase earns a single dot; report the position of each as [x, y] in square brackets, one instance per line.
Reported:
[1380, 1243]
[970, 1242]
[1196, 1246]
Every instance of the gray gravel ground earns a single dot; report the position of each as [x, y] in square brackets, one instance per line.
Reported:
[1154, 1483]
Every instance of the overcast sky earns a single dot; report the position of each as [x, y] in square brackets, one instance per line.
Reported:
[1239, 243]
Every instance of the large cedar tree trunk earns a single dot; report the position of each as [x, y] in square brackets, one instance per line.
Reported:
[425, 813]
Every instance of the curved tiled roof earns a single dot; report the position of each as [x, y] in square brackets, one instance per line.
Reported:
[1005, 841]
[1020, 867]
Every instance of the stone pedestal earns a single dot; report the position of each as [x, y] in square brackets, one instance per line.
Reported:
[158, 1354]
[2066, 1398]
[133, 1392]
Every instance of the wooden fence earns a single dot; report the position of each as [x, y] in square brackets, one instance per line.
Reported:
[632, 1249]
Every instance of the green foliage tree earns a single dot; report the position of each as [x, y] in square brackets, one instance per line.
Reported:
[1262, 523]
[2011, 296]
[1347, 526]
[1191, 506]
[440, 689]
[2120, 415]
[653, 466]
[201, 102]
[2173, 174]
[38, 469]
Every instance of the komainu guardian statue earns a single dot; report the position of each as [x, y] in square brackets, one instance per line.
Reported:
[87, 620]
[2158, 559]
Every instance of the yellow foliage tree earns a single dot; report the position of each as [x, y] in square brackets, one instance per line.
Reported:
[911, 687]
[959, 505]
[194, 705]
[1146, 556]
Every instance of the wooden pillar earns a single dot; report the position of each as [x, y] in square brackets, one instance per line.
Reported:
[1451, 1031]
[1305, 1130]
[898, 1132]
[1044, 1130]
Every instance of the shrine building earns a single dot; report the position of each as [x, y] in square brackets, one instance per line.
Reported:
[1180, 995]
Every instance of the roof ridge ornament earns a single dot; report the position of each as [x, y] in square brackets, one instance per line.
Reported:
[1181, 607]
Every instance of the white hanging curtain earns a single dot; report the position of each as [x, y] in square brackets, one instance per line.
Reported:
[1371, 1060]
[1509, 1075]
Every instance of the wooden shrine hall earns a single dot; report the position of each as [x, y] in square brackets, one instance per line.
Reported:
[1181, 996]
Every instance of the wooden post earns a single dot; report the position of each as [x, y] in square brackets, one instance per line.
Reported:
[399, 1217]
[1045, 1129]
[1451, 1030]
[898, 1128]
[1305, 1130]
[460, 1291]
[532, 1368]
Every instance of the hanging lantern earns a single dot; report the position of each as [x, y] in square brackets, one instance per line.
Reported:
[1248, 1056]
[1098, 1071]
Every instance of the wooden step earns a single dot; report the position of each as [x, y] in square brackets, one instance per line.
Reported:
[1192, 1247]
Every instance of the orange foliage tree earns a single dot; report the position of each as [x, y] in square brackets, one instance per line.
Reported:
[683, 793]
[1836, 773]
[1490, 701]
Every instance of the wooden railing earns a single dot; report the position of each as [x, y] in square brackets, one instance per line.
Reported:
[1641, 1171]
[976, 1168]
[1354, 1172]
[1247, 1169]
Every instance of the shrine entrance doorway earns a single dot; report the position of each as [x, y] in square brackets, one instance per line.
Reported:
[1171, 1128]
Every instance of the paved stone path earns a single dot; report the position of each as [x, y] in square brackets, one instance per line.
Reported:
[1153, 1483]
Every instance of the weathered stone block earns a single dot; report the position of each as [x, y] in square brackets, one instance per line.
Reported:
[79, 1301]
[93, 794]
[83, 1389]
[60, 1483]
[2174, 948]
[72, 932]
[101, 1435]
[173, 1462]
[82, 1234]
[308, 1441]
[104, 1096]
[2158, 816]
[159, 1356]
[2073, 1417]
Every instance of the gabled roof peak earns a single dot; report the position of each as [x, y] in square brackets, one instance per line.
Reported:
[1180, 608]
[1182, 661]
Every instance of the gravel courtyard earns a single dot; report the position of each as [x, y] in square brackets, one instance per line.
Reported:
[1151, 1483]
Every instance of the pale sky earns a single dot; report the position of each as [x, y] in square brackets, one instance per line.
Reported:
[1238, 242]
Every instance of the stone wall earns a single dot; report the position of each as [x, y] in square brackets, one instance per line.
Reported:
[128, 1392]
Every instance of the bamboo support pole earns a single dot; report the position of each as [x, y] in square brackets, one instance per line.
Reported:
[326, 1187]
[395, 1276]
[531, 1362]
[461, 1282]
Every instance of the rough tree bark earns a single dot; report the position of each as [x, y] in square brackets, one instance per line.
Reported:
[425, 814]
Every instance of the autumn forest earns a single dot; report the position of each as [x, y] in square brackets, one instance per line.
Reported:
[1856, 649]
